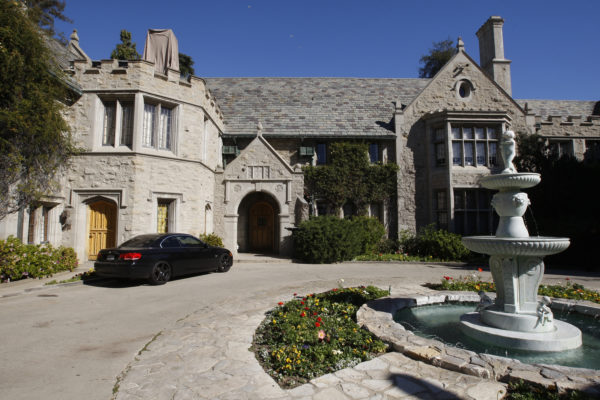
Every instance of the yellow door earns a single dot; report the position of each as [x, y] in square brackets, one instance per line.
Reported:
[102, 222]
[261, 227]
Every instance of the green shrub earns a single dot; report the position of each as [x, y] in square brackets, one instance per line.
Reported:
[329, 239]
[387, 246]
[19, 261]
[212, 239]
[434, 243]
[370, 232]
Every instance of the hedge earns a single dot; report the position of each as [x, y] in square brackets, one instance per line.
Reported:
[329, 239]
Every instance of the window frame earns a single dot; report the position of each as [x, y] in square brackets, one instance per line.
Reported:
[591, 149]
[321, 150]
[119, 133]
[464, 136]
[153, 137]
[440, 208]
[374, 153]
[440, 143]
[557, 147]
[464, 211]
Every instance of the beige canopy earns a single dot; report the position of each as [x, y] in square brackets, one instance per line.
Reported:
[162, 49]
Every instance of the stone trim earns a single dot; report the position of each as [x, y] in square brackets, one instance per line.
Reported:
[119, 196]
[377, 317]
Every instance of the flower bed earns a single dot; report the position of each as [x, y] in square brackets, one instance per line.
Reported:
[316, 334]
[473, 282]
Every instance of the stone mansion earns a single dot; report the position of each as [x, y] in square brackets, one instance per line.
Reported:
[225, 155]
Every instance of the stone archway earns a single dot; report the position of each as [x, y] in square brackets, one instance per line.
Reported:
[258, 224]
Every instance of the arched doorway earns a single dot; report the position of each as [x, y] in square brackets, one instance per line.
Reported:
[102, 226]
[258, 224]
[262, 227]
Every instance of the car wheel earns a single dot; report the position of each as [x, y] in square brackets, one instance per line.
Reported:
[225, 261]
[160, 274]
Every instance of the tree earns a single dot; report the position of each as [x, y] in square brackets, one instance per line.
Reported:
[185, 65]
[34, 138]
[43, 13]
[561, 204]
[126, 49]
[438, 56]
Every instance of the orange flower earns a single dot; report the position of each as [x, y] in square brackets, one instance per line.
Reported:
[480, 269]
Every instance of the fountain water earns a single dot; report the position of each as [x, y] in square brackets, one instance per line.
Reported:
[516, 319]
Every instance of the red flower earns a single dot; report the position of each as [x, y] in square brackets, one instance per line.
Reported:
[306, 308]
[335, 290]
[314, 313]
[567, 279]
[303, 314]
[317, 324]
[447, 278]
[280, 303]
[295, 294]
[319, 319]
[480, 269]
[301, 302]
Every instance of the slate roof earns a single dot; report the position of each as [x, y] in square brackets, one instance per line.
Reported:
[546, 108]
[64, 58]
[324, 107]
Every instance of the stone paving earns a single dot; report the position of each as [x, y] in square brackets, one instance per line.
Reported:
[206, 356]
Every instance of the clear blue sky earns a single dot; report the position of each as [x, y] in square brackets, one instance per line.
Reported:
[554, 45]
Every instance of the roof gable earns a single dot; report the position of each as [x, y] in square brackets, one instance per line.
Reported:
[259, 153]
[442, 91]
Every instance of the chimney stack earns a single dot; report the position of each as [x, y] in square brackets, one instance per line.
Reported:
[491, 52]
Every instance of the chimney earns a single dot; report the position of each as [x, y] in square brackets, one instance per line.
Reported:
[491, 52]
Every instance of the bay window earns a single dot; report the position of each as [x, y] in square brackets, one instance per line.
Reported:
[474, 145]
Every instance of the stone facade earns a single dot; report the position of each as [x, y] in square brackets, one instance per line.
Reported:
[225, 155]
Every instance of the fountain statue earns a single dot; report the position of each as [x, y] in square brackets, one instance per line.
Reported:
[516, 319]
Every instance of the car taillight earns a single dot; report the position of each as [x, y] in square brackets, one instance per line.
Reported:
[130, 256]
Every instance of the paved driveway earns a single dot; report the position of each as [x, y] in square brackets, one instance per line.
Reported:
[71, 342]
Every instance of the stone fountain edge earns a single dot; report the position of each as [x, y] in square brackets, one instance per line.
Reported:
[377, 317]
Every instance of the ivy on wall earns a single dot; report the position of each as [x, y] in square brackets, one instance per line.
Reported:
[350, 177]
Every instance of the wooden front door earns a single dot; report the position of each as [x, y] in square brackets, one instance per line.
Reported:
[102, 222]
[262, 221]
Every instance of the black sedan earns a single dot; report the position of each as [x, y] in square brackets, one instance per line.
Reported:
[158, 257]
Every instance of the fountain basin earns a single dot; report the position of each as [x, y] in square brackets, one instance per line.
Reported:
[564, 336]
[515, 181]
[525, 246]
[377, 317]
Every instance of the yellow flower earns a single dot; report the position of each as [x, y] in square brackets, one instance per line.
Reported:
[274, 322]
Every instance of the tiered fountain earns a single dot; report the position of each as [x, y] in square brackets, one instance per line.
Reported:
[516, 319]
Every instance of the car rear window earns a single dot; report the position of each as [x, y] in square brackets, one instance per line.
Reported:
[140, 241]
